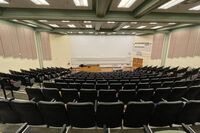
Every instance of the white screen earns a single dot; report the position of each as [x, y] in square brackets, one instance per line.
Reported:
[104, 50]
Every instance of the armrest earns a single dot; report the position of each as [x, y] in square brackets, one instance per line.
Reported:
[147, 129]
[188, 129]
[21, 129]
[63, 129]
[184, 99]
[11, 99]
[141, 100]
[32, 99]
[164, 100]
[53, 100]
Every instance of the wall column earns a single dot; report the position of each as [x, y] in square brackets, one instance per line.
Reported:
[39, 48]
[165, 48]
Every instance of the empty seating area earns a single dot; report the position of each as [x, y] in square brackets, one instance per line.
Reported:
[141, 99]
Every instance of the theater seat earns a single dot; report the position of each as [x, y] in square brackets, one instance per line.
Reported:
[35, 94]
[28, 112]
[69, 95]
[88, 95]
[51, 93]
[81, 115]
[54, 113]
[138, 114]
[109, 114]
[127, 95]
[107, 96]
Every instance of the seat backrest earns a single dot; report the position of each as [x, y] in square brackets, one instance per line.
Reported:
[54, 113]
[145, 94]
[129, 86]
[116, 86]
[7, 113]
[193, 93]
[28, 111]
[177, 93]
[69, 95]
[127, 95]
[138, 114]
[51, 93]
[75, 86]
[35, 94]
[88, 86]
[179, 83]
[109, 114]
[155, 85]
[49, 85]
[88, 95]
[168, 83]
[107, 96]
[60, 85]
[100, 86]
[81, 115]
[190, 113]
[144, 85]
[161, 93]
[165, 113]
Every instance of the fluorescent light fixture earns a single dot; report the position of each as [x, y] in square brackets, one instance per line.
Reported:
[80, 32]
[156, 27]
[153, 23]
[141, 27]
[170, 4]
[102, 32]
[43, 21]
[65, 21]
[88, 26]
[32, 25]
[28, 21]
[71, 25]
[69, 32]
[126, 3]
[126, 26]
[133, 33]
[133, 22]
[81, 2]
[87, 21]
[114, 32]
[111, 22]
[15, 20]
[40, 2]
[196, 8]
[90, 32]
[123, 32]
[3, 2]
[54, 25]
[171, 23]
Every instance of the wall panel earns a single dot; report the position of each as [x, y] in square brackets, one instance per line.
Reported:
[157, 46]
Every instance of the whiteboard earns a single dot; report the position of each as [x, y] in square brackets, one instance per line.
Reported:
[103, 50]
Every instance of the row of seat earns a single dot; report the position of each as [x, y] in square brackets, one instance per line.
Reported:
[119, 86]
[85, 115]
[89, 95]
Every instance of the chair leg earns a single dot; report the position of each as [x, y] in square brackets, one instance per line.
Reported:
[4, 93]
[105, 129]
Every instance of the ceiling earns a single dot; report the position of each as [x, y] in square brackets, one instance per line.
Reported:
[103, 16]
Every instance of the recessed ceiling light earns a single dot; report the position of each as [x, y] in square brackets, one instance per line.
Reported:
[43, 21]
[65, 21]
[71, 25]
[3, 2]
[126, 26]
[153, 23]
[87, 21]
[69, 32]
[111, 22]
[170, 4]
[123, 32]
[156, 27]
[102, 32]
[81, 2]
[171, 23]
[126, 3]
[90, 32]
[133, 33]
[54, 25]
[113, 32]
[40, 2]
[196, 8]
[80, 32]
[141, 27]
[88, 26]
[28, 21]
[133, 22]
[32, 25]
